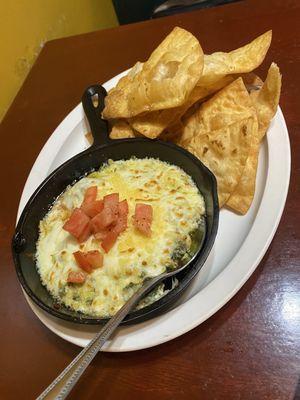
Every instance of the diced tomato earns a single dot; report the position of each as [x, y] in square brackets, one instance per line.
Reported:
[93, 208]
[109, 241]
[88, 261]
[77, 223]
[143, 218]
[95, 258]
[144, 211]
[143, 226]
[111, 221]
[82, 261]
[85, 234]
[120, 225]
[123, 207]
[76, 277]
[90, 195]
[111, 201]
[102, 220]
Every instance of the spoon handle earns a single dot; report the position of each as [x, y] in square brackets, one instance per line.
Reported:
[63, 384]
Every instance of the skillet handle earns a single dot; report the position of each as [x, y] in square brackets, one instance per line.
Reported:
[93, 105]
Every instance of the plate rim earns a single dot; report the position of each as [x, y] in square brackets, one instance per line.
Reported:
[62, 132]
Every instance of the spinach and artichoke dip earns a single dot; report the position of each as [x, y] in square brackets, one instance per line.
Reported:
[164, 193]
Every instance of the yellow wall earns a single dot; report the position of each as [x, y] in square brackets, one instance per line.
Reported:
[27, 24]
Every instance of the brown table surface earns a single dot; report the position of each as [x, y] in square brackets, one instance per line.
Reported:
[250, 349]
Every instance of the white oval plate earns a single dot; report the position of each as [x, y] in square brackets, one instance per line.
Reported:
[240, 244]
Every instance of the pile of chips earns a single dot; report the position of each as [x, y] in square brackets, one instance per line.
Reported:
[212, 105]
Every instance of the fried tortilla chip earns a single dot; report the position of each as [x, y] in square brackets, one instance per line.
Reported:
[229, 105]
[242, 60]
[127, 79]
[164, 81]
[220, 134]
[170, 96]
[265, 102]
[219, 70]
[172, 132]
[120, 129]
[154, 123]
[241, 199]
[224, 152]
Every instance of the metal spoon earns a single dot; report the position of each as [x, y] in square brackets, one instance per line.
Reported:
[63, 384]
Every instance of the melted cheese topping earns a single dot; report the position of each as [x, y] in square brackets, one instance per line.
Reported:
[177, 210]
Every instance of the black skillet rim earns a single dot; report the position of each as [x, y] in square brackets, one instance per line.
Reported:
[160, 303]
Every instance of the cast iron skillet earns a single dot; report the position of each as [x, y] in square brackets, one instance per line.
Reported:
[103, 148]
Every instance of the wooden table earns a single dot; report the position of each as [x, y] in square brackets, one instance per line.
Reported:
[248, 350]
